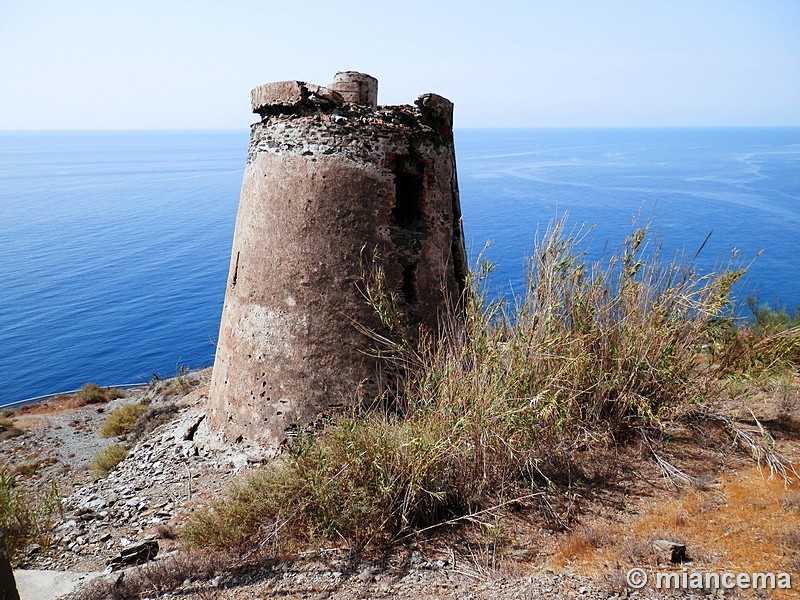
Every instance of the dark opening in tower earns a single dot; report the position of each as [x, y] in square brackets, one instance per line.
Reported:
[407, 211]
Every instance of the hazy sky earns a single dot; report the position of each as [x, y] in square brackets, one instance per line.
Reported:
[170, 64]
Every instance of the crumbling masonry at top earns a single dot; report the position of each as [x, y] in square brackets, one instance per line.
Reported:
[331, 180]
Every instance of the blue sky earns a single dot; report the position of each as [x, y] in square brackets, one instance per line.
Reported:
[174, 64]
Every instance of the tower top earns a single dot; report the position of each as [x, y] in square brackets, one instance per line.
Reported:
[357, 88]
[291, 96]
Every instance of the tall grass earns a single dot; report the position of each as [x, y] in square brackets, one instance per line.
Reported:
[25, 519]
[483, 411]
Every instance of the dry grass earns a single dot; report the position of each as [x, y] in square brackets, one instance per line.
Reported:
[166, 531]
[8, 429]
[122, 420]
[108, 458]
[749, 524]
[91, 393]
[577, 545]
[496, 407]
[25, 519]
[163, 575]
[765, 345]
[151, 419]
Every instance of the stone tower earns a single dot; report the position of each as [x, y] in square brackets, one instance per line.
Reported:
[330, 177]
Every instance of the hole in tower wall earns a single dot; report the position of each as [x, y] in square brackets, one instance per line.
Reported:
[410, 283]
[407, 211]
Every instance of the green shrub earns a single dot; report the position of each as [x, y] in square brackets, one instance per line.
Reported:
[122, 420]
[770, 318]
[23, 519]
[91, 393]
[108, 458]
[486, 410]
[765, 345]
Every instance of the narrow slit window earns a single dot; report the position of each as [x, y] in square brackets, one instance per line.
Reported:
[235, 271]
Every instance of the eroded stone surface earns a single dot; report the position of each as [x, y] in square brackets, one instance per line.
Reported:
[355, 87]
[327, 187]
[292, 96]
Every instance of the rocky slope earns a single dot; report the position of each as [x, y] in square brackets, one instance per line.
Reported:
[134, 514]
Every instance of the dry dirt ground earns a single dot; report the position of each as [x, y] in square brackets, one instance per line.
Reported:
[577, 540]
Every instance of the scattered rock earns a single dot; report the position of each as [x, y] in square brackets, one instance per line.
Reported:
[137, 554]
[675, 552]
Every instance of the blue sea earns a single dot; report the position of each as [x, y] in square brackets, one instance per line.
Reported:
[114, 247]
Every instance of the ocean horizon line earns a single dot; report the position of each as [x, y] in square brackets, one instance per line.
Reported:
[457, 128]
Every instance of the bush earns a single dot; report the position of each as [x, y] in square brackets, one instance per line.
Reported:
[486, 409]
[150, 420]
[766, 344]
[121, 420]
[23, 519]
[108, 458]
[8, 429]
[91, 393]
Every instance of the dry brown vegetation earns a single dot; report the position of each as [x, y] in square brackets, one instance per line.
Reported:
[7, 428]
[164, 575]
[122, 420]
[152, 418]
[91, 393]
[749, 522]
[609, 406]
[23, 518]
[108, 458]
[503, 409]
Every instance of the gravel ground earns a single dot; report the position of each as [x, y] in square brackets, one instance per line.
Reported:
[177, 468]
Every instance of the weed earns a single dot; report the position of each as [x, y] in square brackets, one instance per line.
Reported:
[122, 420]
[166, 531]
[8, 429]
[760, 443]
[108, 458]
[91, 393]
[23, 519]
[792, 502]
[636, 550]
[769, 318]
[160, 576]
[766, 344]
[32, 468]
[578, 546]
[151, 419]
[182, 380]
[495, 405]
[788, 394]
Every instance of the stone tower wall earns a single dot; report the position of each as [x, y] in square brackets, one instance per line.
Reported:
[328, 179]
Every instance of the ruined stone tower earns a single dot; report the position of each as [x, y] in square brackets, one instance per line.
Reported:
[330, 177]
